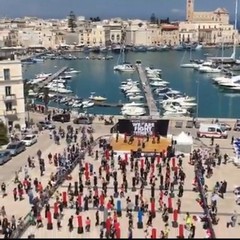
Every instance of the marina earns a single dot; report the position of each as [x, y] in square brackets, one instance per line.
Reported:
[153, 110]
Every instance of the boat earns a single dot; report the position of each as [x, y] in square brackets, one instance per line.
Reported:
[122, 65]
[176, 113]
[66, 77]
[209, 69]
[97, 98]
[43, 75]
[136, 97]
[133, 111]
[71, 71]
[87, 104]
[133, 104]
[116, 48]
[158, 83]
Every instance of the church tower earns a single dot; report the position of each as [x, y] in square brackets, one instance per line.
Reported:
[189, 10]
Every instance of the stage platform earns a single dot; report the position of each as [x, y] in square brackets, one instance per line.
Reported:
[150, 147]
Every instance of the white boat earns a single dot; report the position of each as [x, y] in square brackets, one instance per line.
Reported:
[134, 111]
[67, 77]
[156, 70]
[87, 104]
[155, 79]
[133, 90]
[124, 68]
[97, 98]
[176, 113]
[43, 75]
[189, 65]
[178, 104]
[199, 47]
[158, 84]
[72, 71]
[136, 97]
[209, 69]
[133, 104]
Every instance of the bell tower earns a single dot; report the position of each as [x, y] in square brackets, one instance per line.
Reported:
[189, 10]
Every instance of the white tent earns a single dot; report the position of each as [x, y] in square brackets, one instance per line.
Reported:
[184, 143]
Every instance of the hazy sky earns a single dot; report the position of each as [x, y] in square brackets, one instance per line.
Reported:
[175, 9]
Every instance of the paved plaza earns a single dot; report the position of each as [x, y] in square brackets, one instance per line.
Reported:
[226, 206]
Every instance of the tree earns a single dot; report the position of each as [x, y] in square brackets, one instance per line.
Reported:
[3, 134]
[153, 18]
[46, 98]
[72, 21]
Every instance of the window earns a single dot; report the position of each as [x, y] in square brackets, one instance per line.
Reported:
[6, 74]
[8, 106]
[8, 91]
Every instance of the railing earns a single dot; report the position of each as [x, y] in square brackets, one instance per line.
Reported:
[11, 97]
[60, 179]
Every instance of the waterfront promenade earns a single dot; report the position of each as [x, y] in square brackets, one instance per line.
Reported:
[226, 206]
[153, 110]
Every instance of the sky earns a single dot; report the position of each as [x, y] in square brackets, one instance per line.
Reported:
[175, 9]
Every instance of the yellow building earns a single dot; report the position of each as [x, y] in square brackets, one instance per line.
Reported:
[220, 15]
[12, 103]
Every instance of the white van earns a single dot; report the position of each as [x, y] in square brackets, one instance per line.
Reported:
[211, 130]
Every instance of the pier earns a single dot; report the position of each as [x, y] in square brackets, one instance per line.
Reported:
[26, 58]
[52, 77]
[153, 110]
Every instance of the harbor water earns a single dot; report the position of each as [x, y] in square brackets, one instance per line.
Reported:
[98, 76]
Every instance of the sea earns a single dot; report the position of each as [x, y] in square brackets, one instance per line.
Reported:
[98, 76]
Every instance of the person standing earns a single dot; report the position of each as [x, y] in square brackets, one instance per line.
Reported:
[97, 218]
[59, 222]
[70, 224]
[3, 189]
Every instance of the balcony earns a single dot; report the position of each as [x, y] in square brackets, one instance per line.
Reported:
[12, 112]
[10, 98]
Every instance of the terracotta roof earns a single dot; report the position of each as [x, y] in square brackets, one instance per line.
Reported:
[169, 27]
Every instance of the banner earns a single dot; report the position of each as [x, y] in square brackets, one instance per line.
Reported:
[143, 127]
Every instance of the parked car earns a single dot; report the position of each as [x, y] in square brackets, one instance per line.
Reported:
[16, 147]
[30, 139]
[237, 125]
[64, 117]
[46, 125]
[5, 156]
[82, 120]
[225, 126]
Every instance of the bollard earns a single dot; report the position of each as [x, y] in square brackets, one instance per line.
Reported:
[79, 199]
[64, 197]
[140, 220]
[49, 221]
[180, 231]
[86, 177]
[153, 210]
[55, 213]
[75, 189]
[175, 218]
[119, 208]
[170, 208]
[86, 167]
[80, 225]
[101, 202]
[154, 233]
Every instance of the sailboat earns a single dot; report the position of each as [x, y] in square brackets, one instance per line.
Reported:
[191, 64]
[122, 66]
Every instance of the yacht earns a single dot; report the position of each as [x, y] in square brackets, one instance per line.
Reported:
[176, 113]
[204, 64]
[157, 70]
[97, 98]
[87, 104]
[178, 97]
[43, 75]
[66, 77]
[189, 65]
[158, 83]
[209, 69]
[124, 68]
[133, 104]
[72, 71]
[167, 105]
[134, 111]
[136, 97]
[155, 79]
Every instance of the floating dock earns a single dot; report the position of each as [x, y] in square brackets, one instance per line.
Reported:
[153, 110]
[52, 77]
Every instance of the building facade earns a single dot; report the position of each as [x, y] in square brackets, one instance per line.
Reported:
[12, 103]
